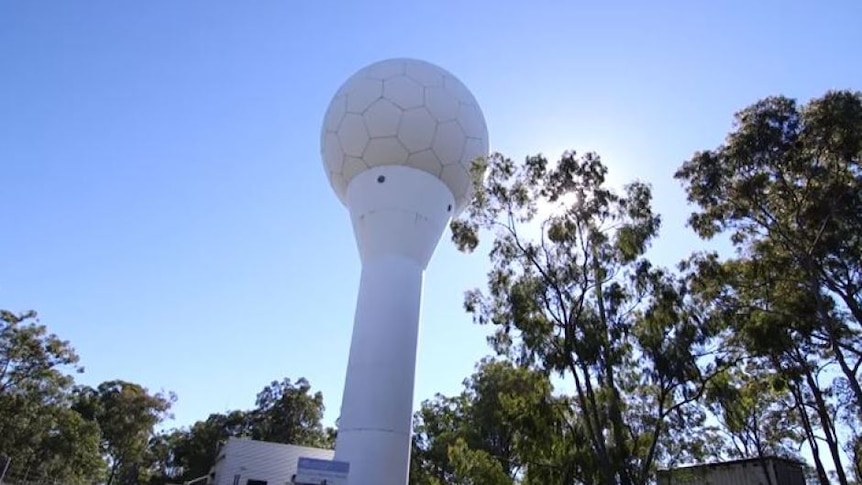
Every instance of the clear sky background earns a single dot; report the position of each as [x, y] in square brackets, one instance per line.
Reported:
[163, 202]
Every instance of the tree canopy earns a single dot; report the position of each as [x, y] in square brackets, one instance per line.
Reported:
[52, 430]
[571, 294]
[786, 186]
[606, 367]
[725, 356]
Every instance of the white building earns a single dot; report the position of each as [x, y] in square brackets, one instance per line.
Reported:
[242, 461]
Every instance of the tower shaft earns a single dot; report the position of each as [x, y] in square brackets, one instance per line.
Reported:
[375, 424]
[399, 214]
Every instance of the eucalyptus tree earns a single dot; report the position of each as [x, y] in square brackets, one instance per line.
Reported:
[501, 429]
[786, 188]
[39, 432]
[571, 293]
[127, 414]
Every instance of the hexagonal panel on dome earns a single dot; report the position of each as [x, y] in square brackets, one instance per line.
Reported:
[403, 91]
[353, 135]
[424, 73]
[384, 151]
[384, 70]
[351, 167]
[333, 156]
[448, 142]
[382, 118]
[427, 161]
[403, 112]
[417, 129]
[457, 88]
[337, 109]
[441, 103]
[337, 182]
[362, 93]
[472, 121]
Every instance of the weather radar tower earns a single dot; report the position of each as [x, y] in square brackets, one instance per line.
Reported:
[399, 142]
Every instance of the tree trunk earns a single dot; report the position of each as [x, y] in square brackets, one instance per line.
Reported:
[112, 474]
[811, 438]
[620, 448]
[762, 461]
[828, 427]
[833, 330]
[848, 372]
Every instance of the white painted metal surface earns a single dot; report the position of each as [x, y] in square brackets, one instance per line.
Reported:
[404, 112]
[399, 214]
[399, 141]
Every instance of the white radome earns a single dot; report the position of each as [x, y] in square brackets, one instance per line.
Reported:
[404, 112]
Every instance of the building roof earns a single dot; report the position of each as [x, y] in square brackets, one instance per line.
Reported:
[741, 461]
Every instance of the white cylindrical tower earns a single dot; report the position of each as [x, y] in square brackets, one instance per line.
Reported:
[400, 143]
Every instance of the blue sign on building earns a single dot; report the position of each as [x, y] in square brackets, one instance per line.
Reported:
[313, 471]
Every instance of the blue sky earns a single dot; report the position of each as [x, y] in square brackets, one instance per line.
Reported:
[165, 207]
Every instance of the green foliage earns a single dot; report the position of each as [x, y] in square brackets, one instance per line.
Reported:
[126, 414]
[72, 449]
[30, 357]
[285, 412]
[436, 426]
[571, 294]
[755, 411]
[288, 413]
[55, 431]
[745, 356]
[785, 186]
[496, 431]
[476, 467]
[39, 431]
[192, 451]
